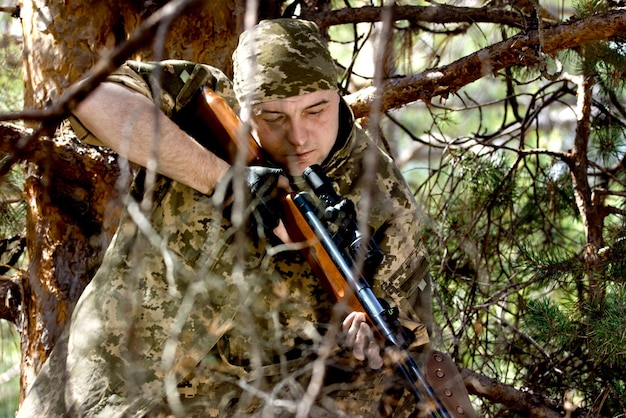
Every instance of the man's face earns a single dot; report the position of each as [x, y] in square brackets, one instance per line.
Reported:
[298, 131]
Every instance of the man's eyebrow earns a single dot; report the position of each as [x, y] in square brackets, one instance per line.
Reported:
[263, 111]
[321, 102]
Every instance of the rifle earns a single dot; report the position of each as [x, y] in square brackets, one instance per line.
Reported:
[333, 256]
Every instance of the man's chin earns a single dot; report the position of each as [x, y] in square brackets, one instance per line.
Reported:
[296, 169]
[296, 173]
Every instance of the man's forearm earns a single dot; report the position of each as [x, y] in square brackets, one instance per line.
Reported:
[125, 121]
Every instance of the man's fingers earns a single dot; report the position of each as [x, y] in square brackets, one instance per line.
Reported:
[374, 359]
[281, 232]
[366, 346]
[350, 326]
[360, 338]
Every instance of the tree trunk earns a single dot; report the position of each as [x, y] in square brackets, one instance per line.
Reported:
[70, 187]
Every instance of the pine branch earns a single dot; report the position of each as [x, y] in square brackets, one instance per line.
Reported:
[433, 13]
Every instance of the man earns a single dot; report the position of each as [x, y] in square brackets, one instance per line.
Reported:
[185, 316]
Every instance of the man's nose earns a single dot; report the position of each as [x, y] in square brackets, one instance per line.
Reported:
[297, 134]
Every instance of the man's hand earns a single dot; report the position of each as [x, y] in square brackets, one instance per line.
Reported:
[261, 187]
[281, 233]
[361, 339]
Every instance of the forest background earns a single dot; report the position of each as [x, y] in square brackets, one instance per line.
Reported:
[507, 117]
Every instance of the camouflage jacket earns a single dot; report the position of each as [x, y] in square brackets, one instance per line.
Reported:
[180, 287]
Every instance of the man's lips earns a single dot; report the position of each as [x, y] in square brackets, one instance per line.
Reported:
[301, 155]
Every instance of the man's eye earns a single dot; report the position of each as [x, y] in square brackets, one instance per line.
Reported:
[316, 112]
[274, 121]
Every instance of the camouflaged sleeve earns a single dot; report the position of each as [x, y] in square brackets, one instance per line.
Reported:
[171, 83]
[408, 262]
[403, 273]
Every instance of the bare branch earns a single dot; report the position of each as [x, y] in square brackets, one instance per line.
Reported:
[514, 399]
[13, 10]
[522, 49]
[434, 13]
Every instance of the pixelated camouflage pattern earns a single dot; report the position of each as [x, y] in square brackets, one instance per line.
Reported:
[281, 58]
[237, 323]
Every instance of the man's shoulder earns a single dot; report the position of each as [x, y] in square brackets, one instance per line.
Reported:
[171, 66]
[177, 80]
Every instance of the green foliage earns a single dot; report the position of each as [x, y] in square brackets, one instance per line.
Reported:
[608, 142]
[12, 214]
[9, 369]
[549, 264]
[589, 7]
[512, 283]
[615, 267]
[11, 84]
[507, 240]
[587, 342]
[550, 324]
[12, 206]
[610, 62]
[607, 336]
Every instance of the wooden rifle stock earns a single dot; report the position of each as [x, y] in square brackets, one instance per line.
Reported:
[210, 118]
[213, 123]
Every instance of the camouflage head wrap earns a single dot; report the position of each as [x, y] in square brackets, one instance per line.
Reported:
[282, 58]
